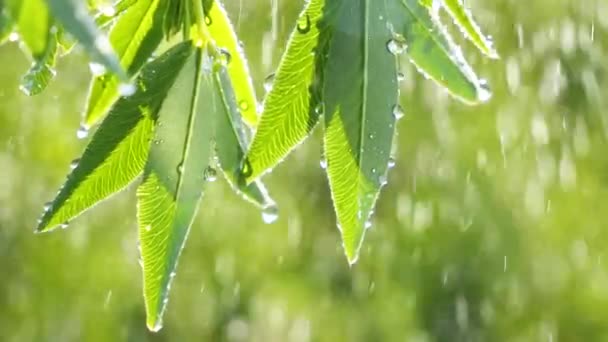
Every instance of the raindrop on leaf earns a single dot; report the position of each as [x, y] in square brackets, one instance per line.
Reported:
[270, 213]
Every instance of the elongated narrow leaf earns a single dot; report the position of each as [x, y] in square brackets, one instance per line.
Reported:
[42, 70]
[73, 15]
[118, 151]
[224, 36]
[360, 94]
[463, 18]
[430, 48]
[169, 195]
[135, 36]
[231, 143]
[291, 109]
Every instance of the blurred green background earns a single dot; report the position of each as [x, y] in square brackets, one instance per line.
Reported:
[492, 226]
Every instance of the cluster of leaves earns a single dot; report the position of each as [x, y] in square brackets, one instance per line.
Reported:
[172, 86]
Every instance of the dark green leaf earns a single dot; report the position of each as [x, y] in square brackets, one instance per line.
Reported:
[169, 195]
[430, 48]
[360, 94]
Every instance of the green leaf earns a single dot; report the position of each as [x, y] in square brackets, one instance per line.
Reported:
[223, 34]
[42, 70]
[463, 18]
[74, 17]
[33, 23]
[290, 109]
[232, 140]
[118, 151]
[6, 23]
[430, 48]
[135, 36]
[169, 195]
[360, 94]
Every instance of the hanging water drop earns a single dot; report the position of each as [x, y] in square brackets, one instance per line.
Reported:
[64, 225]
[210, 174]
[268, 82]
[180, 168]
[396, 45]
[225, 57]
[47, 206]
[208, 20]
[97, 69]
[484, 93]
[398, 112]
[391, 162]
[323, 163]
[270, 213]
[74, 163]
[400, 76]
[368, 224]
[82, 132]
[127, 89]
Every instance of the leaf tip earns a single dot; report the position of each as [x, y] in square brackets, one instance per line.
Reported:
[154, 324]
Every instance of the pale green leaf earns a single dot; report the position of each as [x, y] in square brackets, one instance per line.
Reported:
[463, 18]
[360, 93]
[118, 151]
[291, 109]
[430, 48]
[223, 34]
[169, 195]
[231, 142]
[74, 17]
[134, 36]
[33, 23]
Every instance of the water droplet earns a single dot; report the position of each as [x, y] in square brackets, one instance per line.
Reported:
[391, 162]
[64, 225]
[396, 45]
[180, 168]
[270, 213]
[382, 180]
[47, 206]
[127, 89]
[225, 57]
[97, 69]
[13, 37]
[74, 163]
[82, 132]
[208, 20]
[484, 93]
[374, 170]
[323, 163]
[368, 224]
[268, 82]
[320, 108]
[210, 174]
[398, 112]
[400, 76]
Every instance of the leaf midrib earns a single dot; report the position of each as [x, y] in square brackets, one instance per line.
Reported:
[190, 131]
[364, 89]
